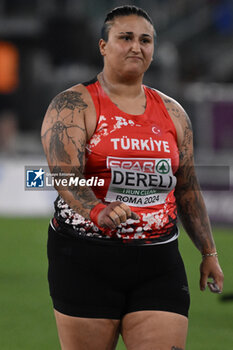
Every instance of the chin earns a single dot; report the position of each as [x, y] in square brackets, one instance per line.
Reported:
[132, 73]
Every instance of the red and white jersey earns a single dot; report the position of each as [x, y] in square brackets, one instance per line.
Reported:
[136, 156]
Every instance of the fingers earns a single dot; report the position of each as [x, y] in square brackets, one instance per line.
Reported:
[210, 268]
[118, 215]
[203, 281]
[218, 279]
[134, 216]
[214, 288]
[115, 214]
[107, 223]
[126, 209]
[130, 214]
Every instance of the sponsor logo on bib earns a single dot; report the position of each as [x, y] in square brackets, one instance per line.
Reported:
[139, 181]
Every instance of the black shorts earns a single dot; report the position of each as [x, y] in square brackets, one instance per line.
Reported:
[95, 280]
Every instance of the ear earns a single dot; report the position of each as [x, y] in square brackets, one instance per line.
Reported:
[102, 46]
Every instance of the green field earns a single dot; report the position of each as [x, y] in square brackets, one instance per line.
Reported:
[26, 317]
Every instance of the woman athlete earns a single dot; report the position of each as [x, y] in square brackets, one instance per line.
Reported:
[114, 263]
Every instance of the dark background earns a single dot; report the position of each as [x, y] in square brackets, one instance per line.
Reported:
[47, 46]
[57, 45]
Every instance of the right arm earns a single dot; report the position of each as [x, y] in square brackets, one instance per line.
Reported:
[64, 135]
[64, 138]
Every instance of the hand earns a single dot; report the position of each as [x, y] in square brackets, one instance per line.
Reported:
[114, 214]
[210, 268]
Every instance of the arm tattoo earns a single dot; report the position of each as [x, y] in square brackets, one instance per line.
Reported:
[83, 193]
[71, 101]
[56, 146]
[186, 144]
[175, 348]
[190, 203]
[84, 196]
[172, 108]
[61, 125]
[185, 156]
[81, 155]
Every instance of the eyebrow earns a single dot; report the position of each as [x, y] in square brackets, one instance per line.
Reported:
[131, 33]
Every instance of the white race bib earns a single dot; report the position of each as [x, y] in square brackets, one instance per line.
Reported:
[140, 182]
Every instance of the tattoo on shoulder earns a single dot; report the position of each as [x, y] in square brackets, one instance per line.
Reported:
[189, 125]
[177, 112]
[62, 125]
[69, 100]
[175, 348]
[172, 108]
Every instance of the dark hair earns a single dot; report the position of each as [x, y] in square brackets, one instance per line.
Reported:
[120, 11]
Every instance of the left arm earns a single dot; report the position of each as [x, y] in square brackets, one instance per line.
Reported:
[190, 204]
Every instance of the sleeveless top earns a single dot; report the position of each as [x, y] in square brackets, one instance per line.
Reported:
[132, 159]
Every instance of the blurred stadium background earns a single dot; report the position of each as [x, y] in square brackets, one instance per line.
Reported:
[47, 46]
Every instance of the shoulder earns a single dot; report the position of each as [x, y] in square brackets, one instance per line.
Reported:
[74, 105]
[178, 115]
[75, 98]
[175, 110]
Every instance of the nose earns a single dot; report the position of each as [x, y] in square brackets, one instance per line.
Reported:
[136, 48]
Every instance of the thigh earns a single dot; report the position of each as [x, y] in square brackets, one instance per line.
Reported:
[154, 330]
[83, 278]
[162, 284]
[76, 333]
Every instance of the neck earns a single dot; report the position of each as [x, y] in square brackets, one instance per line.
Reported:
[126, 86]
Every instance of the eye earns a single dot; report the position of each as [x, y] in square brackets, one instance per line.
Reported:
[145, 41]
[125, 37]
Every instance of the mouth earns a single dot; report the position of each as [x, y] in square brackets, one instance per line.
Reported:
[135, 58]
